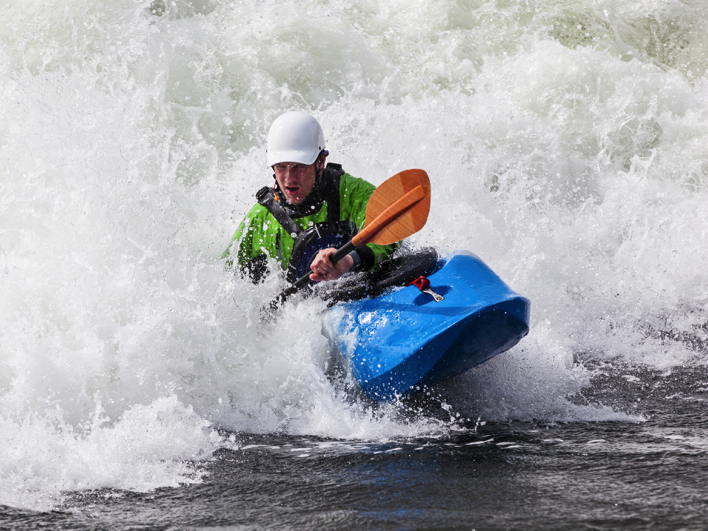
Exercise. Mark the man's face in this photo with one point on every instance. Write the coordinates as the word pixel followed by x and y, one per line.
pixel 295 180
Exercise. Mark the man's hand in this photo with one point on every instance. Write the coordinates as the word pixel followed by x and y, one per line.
pixel 323 268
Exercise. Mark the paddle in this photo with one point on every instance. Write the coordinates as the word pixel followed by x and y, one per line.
pixel 398 208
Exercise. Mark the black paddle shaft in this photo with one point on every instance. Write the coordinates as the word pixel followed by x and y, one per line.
pixel 305 279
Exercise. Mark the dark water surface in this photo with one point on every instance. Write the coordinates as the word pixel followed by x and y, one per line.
pixel 611 475
pixel 566 144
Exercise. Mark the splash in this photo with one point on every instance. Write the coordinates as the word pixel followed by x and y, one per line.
pixel 566 144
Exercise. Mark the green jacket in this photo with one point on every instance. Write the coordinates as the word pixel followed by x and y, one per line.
pixel 259 235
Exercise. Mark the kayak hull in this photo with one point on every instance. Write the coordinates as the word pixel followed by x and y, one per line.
pixel 399 342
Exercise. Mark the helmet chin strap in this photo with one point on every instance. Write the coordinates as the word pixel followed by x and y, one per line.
pixel 276 188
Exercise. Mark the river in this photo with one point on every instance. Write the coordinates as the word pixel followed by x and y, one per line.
pixel 567 146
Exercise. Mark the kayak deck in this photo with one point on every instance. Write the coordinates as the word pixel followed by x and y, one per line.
pixel 401 341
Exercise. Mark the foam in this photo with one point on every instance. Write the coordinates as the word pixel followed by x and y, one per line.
pixel 566 147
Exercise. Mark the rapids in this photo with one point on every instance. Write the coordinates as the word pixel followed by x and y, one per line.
pixel 567 145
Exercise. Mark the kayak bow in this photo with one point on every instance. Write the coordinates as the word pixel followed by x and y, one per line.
pixel 399 342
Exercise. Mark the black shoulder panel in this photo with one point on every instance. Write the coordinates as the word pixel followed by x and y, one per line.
pixel 330 180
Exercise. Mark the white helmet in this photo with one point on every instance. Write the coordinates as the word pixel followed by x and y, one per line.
pixel 295 137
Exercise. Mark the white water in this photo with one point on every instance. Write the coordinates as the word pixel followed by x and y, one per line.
pixel 567 144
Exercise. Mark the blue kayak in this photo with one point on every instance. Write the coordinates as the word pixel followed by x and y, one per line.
pixel 400 341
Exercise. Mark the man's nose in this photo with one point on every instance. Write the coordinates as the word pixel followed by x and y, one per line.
pixel 290 174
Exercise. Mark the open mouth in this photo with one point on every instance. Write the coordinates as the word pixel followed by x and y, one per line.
pixel 292 191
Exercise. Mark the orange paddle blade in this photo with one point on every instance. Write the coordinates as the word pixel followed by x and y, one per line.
pixel 398 208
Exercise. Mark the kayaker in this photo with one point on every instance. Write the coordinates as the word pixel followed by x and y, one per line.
pixel 311 209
